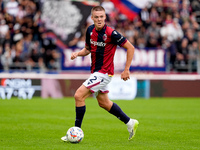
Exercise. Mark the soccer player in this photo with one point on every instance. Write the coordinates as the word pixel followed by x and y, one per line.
pixel 101 42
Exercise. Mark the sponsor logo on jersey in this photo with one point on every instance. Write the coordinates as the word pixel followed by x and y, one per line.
pixel 97 43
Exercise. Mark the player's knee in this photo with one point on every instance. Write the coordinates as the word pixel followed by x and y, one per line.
pixel 101 104
pixel 77 96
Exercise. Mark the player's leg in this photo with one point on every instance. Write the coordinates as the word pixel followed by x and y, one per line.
pixel 81 94
pixel 111 107
pixel 85 90
pixel 114 109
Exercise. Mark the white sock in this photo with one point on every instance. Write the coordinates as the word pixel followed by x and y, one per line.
pixel 130 123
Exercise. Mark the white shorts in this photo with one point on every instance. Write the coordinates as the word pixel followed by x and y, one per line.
pixel 97 82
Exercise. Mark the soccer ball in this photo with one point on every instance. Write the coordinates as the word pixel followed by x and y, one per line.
pixel 75 134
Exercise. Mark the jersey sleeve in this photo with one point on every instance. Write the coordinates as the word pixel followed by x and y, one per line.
pixel 117 38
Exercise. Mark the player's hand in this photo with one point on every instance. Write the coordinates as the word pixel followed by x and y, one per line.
pixel 74 55
pixel 125 75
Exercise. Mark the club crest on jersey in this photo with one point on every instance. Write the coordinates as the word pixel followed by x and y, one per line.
pixel 104 37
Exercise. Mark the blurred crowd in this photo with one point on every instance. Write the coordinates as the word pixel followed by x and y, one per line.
pixel 23 41
pixel 173 25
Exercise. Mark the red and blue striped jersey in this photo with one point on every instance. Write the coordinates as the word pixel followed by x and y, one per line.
pixel 103 45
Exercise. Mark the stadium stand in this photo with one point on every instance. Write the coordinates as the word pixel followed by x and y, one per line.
pixel 173 25
pixel 23 43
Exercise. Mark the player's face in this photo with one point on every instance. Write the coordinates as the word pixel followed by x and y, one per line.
pixel 99 18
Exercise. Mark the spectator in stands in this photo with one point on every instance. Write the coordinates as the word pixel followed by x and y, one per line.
pixel 51 59
pixel 195 5
pixel 27 42
pixel 170 33
pixel 4 31
pixel 50 54
pixel 190 35
pixel 1 6
pixel 153 35
pixel 6 58
pixel 159 6
pixel 182 54
pixel 21 13
pixel 17 34
pixel 35 60
pixel 109 7
pixel 1 52
pixel 10 21
pixel 193 56
pixel 128 29
pixel 198 37
pixel 18 62
pixel 144 15
pixel 153 16
pixel 185 10
pixel 12 7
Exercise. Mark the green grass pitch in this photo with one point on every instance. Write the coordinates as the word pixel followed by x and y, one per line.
pixel 38 124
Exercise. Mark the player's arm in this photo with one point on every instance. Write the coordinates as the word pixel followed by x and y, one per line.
pixel 125 75
pixel 85 51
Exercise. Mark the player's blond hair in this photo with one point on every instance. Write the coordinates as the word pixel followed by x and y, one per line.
pixel 97 8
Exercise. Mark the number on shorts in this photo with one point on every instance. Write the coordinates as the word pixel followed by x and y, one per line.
pixel 91 80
